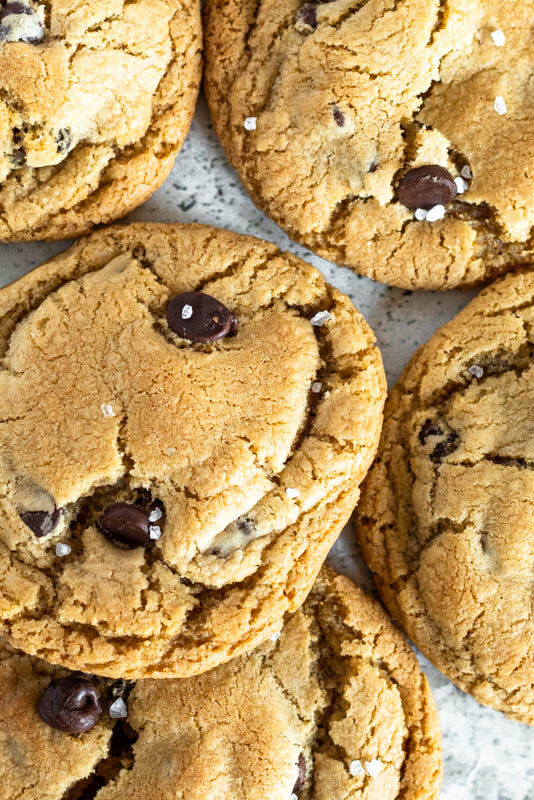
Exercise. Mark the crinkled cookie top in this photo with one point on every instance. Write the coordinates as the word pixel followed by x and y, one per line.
pixel 185 417
pixel 351 716
pixel 95 100
pixel 446 515
pixel 325 108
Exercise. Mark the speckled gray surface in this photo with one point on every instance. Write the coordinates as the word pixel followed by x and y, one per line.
pixel 487 757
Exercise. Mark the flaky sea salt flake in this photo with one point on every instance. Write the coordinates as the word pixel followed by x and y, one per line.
pixel 275 636
pixel 118 709
pixel 476 371
pixel 500 105
pixel 435 214
pixel 250 123
pixel 155 514
pixel 498 37
pixel 320 318
pixel 374 767
pixel 356 768
pixel 420 214
pixel 461 185
pixel 292 493
pixel 467 172
pixel 187 311
pixel 107 410
pixel 316 387
pixel 63 549
pixel 154 532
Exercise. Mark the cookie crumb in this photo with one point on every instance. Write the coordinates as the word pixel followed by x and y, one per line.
pixel 420 214
pixel 498 37
pixel 355 768
pixel 118 710
pixel 467 172
pixel 187 312
pixel 292 493
pixel 461 185
pixel 435 214
pixel 250 123
pixel 316 387
pixel 107 410
pixel 500 105
pixel 374 767
pixel 63 549
pixel 320 318
pixel 154 532
pixel 476 371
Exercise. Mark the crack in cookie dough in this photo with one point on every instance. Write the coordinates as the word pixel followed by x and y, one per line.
pixel 93 116
pixel 254 473
pixel 263 726
pixel 413 83
pixel 445 515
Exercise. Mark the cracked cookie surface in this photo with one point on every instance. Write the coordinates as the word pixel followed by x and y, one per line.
pixel 93 113
pixel 323 108
pixel 352 716
pixel 243 457
pixel 445 520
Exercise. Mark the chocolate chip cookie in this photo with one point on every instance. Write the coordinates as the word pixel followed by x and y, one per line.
pixel 95 101
pixel 185 418
pixel 391 137
pixel 446 515
pixel 351 716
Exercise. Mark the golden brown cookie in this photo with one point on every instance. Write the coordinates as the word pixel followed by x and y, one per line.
pixel 96 98
pixel 351 716
pixel 166 498
pixel 327 108
pixel 446 515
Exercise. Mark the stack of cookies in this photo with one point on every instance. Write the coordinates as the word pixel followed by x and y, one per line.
pixel 187 415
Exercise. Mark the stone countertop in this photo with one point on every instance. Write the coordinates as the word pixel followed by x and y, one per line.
pixel 487 757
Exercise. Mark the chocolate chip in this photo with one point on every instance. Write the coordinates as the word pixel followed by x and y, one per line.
pixel 426 187
pixel 71 705
pixel 41 522
pixel 373 166
pixel 20 23
pixel 301 780
pixel 63 140
pixel 245 525
pixel 18 157
pixel 200 318
pixel 448 445
pixel 339 116
pixel 126 523
pixel 306 19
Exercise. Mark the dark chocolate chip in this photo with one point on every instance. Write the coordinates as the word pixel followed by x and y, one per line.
pixel 126 523
pixel 339 116
pixel 63 140
pixel 306 19
pixel 426 187
pixel 71 705
pixel 17 135
pixel 33 34
pixel 301 780
pixel 448 445
pixel 373 166
pixel 41 522
pixel 199 317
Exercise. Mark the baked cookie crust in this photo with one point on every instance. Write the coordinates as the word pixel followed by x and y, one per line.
pixel 353 713
pixel 324 107
pixel 93 114
pixel 245 454
pixel 445 520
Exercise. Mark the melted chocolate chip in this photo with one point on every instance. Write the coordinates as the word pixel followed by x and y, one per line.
pixel 448 445
pixel 71 705
pixel 301 780
pixel 41 522
pixel 426 187
pixel 63 140
pixel 306 19
pixel 20 23
pixel 199 317
pixel 126 523
pixel 339 116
